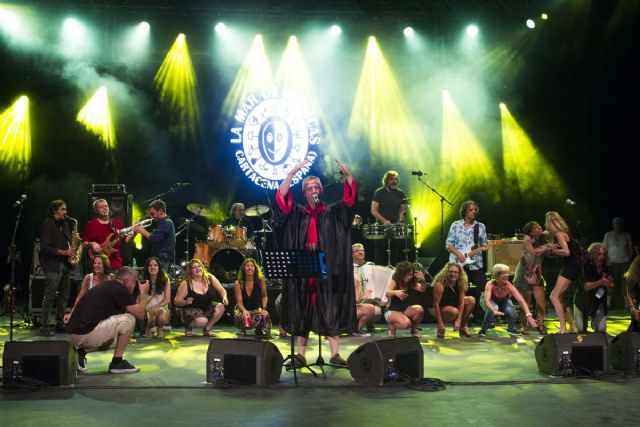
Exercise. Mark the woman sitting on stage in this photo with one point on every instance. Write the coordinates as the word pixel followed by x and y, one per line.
pixel 632 277
pixel 497 301
pixel 449 301
pixel 101 272
pixel 250 292
pixel 195 297
pixel 158 297
pixel 404 283
pixel 528 276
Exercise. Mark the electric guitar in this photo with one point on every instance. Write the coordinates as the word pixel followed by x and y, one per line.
pixel 109 245
pixel 469 252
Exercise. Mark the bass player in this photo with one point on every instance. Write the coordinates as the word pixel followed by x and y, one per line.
pixel 101 234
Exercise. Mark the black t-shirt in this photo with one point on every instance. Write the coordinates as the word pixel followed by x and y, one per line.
pixel 389 202
pixel 99 303
pixel 588 300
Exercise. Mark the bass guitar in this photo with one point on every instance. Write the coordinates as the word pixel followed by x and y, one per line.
pixel 109 245
pixel 471 251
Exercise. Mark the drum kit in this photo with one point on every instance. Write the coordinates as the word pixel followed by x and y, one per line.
pixel 389 232
pixel 226 246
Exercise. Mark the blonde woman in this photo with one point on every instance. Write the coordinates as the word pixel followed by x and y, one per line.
pixel 450 304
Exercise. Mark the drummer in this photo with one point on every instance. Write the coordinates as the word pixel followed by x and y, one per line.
pixel 388 206
pixel 237 218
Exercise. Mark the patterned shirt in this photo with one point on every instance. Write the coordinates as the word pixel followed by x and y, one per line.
pixel 461 238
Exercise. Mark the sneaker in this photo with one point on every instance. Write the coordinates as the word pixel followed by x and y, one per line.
pixel 337 360
pixel 82 360
pixel 514 332
pixel 123 367
pixel 482 333
pixel 360 333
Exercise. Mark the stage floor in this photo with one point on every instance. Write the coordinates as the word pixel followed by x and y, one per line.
pixel 488 380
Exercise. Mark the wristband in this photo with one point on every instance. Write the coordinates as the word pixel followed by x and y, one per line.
pixel 529 315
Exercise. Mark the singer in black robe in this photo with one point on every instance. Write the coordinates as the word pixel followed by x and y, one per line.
pixel 325 306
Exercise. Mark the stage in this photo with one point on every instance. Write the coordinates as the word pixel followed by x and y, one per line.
pixel 487 380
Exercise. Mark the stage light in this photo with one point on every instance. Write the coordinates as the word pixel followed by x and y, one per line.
pixel 544 16
pixel 220 27
pixel 96 118
pixel 135 44
pixel 473 30
pixel 531 23
pixel 137 214
pixel 381 118
pixel 335 30
pixel 144 27
pixel 177 85
pixel 526 170
pixel 75 39
pixel 253 76
pixel 15 138
pixel 409 32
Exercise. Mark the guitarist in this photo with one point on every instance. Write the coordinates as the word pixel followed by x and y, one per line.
pixel 100 233
pixel 465 235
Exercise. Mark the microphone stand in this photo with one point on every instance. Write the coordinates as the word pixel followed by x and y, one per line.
pixel 186 225
pixel 581 237
pixel 171 189
pixel 10 290
pixel 442 202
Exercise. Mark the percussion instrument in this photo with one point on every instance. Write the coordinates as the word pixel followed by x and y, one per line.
pixel 200 209
pixel 374 231
pixel 376 278
pixel 216 237
pixel 236 236
pixel 257 210
pixel 401 231
pixel 203 252
pixel 225 264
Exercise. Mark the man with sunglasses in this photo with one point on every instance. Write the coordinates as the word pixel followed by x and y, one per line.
pixel 105 318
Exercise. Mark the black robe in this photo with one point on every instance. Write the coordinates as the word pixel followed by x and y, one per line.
pixel 335 309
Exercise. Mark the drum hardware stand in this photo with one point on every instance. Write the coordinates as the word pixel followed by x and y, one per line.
pixel 186 225
pixel 388 249
pixel 442 201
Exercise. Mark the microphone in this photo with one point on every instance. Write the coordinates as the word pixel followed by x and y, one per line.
pixel 418 173
pixel 20 201
pixel 570 203
pixel 316 199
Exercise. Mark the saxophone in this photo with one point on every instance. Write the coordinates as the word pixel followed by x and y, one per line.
pixel 75 247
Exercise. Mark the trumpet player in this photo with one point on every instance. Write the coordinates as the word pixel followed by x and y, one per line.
pixel 58 247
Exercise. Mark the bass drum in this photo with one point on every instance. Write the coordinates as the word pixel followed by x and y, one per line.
pixel 225 264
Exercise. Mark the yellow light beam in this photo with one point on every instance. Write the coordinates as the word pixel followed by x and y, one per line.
pixel 177 84
pixel 95 116
pixel 15 137
pixel 526 170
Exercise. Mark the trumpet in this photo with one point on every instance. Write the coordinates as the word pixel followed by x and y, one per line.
pixel 129 230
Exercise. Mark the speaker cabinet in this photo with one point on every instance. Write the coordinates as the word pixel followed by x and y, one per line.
pixel 378 362
pixel 625 352
pixel 53 362
pixel 572 354
pixel 507 253
pixel 36 293
pixel 244 361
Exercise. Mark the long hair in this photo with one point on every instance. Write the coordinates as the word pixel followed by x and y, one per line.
pixel 161 280
pixel 463 280
pixel 528 230
pixel 188 275
pixel 106 264
pixel 465 206
pixel 257 276
pixel 633 274
pixel 593 250
pixel 556 221
pixel 403 268
pixel 53 206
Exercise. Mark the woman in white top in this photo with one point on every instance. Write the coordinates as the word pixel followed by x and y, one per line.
pixel 158 297
pixel 101 272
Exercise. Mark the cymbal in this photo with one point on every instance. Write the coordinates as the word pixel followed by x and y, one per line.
pixel 263 231
pixel 200 209
pixel 256 210
pixel 194 226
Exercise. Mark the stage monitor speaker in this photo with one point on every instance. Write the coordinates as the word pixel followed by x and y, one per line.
pixel 572 354
pixel 245 361
pixel 506 253
pixel 52 362
pixel 625 352
pixel 381 361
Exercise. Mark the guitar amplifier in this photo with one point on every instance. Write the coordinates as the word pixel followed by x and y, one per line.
pixel 36 293
pixel 508 253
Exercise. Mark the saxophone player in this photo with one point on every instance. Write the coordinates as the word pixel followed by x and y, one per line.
pixel 56 235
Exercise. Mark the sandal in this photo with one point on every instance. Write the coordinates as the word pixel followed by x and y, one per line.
pixel 207 333
pixel 465 333
pixel 188 333
pixel 440 333
pixel 542 330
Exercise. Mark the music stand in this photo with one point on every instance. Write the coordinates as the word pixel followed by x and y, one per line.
pixel 296 264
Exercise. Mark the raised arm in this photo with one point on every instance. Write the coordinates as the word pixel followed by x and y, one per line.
pixel 286 182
